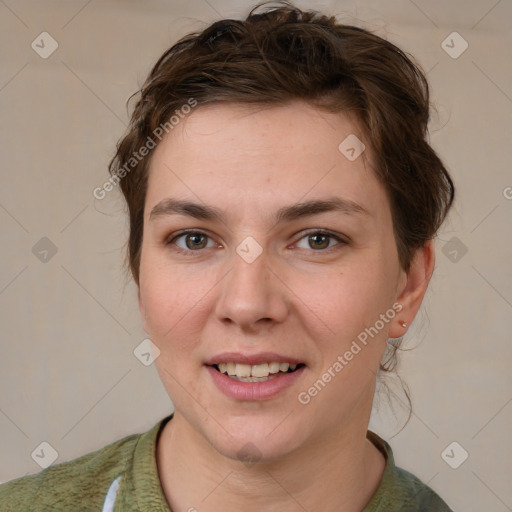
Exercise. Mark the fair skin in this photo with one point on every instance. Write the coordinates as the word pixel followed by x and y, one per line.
pixel 305 297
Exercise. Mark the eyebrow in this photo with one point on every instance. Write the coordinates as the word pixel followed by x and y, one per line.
pixel 170 206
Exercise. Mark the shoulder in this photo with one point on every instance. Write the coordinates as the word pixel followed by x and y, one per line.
pixel 78 484
pixel 400 490
pixel 416 495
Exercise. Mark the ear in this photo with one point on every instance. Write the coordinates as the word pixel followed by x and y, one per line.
pixel 142 309
pixel 412 289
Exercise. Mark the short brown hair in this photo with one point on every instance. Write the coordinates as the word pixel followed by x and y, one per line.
pixel 284 54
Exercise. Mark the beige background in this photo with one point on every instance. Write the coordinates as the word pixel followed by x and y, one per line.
pixel 69 325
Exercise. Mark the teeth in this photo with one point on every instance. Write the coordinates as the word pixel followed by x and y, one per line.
pixel 243 370
pixel 260 370
pixel 273 367
pixel 247 371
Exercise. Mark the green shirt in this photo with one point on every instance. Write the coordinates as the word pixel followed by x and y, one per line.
pixel 123 477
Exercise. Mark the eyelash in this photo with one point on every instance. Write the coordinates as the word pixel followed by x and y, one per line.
pixel 189 252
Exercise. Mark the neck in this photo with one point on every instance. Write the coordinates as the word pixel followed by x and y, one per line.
pixel 339 472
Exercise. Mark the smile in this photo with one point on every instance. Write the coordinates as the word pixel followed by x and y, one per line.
pixel 255 373
pixel 254 382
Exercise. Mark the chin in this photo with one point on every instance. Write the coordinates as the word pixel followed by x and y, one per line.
pixel 258 438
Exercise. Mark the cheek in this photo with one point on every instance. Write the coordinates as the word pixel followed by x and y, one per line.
pixel 350 299
pixel 173 303
pixel 347 322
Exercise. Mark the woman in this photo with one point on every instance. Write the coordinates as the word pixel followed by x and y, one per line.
pixel 283 200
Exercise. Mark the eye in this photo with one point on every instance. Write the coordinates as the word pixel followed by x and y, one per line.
pixel 321 240
pixel 195 241
pixel 191 241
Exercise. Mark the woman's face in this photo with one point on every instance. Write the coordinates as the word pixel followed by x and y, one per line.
pixel 273 270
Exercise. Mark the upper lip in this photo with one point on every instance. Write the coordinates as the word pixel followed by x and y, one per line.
pixel 252 359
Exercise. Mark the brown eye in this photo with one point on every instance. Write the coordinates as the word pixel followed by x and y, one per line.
pixel 190 241
pixel 196 240
pixel 320 241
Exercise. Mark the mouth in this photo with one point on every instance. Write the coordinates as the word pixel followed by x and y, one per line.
pixel 263 372
pixel 254 377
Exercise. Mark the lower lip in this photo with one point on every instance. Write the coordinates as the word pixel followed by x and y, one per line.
pixel 254 391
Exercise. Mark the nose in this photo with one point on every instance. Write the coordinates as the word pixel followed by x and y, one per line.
pixel 252 295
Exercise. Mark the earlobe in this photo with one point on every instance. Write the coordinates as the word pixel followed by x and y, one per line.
pixel 142 309
pixel 413 289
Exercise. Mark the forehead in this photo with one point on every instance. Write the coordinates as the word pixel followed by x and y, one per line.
pixel 229 153
pixel 273 129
